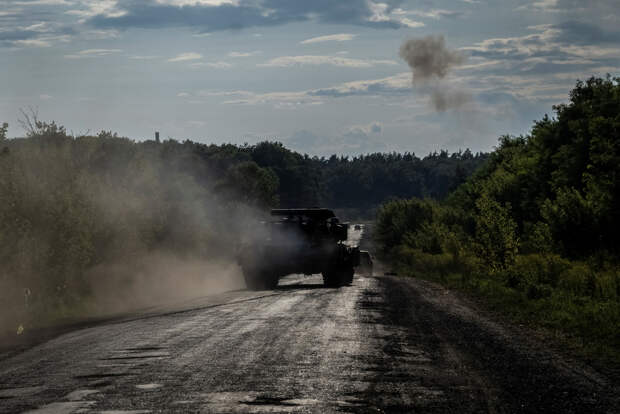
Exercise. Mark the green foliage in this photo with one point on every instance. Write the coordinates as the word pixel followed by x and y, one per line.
pixel 368 180
pixel 536 230
pixel 496 239
pixel 401 219
pixel 3 130
pixel 251 184
pixel 362 182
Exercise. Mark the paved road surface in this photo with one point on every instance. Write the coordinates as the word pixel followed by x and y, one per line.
pixel 382 345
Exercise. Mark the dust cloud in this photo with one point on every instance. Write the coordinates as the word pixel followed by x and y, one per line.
pixel 444 99
pixel 430 61
pixel 159 278
pixel 92 226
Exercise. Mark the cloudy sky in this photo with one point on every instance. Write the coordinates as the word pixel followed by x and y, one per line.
pixel 322 76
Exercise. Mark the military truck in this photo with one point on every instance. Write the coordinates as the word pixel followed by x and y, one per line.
pixel 302 240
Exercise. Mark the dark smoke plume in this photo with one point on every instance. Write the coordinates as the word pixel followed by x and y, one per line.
pixel 430 61
pixel 444 99
pixel 428 57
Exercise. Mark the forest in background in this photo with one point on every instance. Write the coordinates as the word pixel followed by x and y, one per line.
pixel 86 216
pixel 536 230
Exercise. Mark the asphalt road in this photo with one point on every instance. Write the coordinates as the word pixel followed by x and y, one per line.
pixel 384 344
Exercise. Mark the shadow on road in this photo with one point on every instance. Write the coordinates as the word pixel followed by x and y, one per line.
pixel 300 286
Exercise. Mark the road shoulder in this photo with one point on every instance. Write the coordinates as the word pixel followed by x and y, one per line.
pixel 525 371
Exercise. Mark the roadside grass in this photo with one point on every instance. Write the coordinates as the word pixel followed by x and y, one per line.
pixel 577 306
pixel 19 319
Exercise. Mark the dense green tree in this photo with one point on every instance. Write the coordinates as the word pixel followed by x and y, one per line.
pixel 537 227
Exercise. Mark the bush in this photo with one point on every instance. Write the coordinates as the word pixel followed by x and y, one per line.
pixel 536 230
pixel 400 219
pixel 496 238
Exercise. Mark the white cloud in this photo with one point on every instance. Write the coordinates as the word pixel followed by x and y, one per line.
pixel 366 129
pixel 411 23
pixel 10 13
pixel 357 139
pixel 392 85
pixel 341 37
pixel 41 27
pixel 596 10
pixel 183 95
pixel 277 98
pixel 548 42
pixel 244 54
pixel 45 97
pixel 431 14
pixel 216 65
pixel 380 15
pixel 593 52
pixel 100 34
pixel 528 45
pixel 479 63
pixel 183 57
pixel 181 3
pixel 42 41
pixel 89 8
pixel 378 12
pixel 44 3
pixel 544 5
pixel 144 57
pixel 574 61
pixel 90 53
pixel 399 84
pixel 224 93
pixel 285 61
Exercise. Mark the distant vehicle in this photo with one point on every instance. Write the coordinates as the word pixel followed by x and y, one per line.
pixel 305 240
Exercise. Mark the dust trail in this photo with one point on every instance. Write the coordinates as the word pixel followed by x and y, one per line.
pixel 158 278
pixel 96 225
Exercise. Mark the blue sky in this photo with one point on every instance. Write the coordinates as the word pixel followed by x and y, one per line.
pixel 321 76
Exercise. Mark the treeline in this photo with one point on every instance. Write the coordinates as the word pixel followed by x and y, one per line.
pixel 536 229
pixel 366 181
pixel 362 182
pixel 72 206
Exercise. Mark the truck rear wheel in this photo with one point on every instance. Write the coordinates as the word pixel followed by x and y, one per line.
pixel 270 281
pixel 330 279
pixel 348 276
